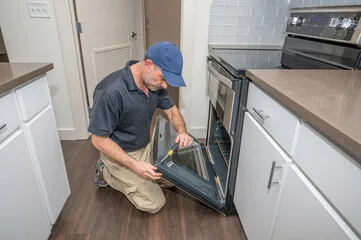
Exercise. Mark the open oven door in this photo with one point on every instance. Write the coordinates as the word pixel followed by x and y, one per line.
pixel 189 168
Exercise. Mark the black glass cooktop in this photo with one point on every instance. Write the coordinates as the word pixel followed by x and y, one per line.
pixel 237 61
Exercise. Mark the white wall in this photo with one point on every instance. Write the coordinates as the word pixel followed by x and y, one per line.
pixel 249 22
pixel 37 40
pixel 194 47
pixel 309 3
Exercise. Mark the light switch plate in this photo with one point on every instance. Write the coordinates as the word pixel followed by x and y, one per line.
pixel 39 9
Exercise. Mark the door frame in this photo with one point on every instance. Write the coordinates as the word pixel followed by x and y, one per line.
pixel 191 35
pixel 71 50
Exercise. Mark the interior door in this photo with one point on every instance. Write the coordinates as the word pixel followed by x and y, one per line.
pixel 188 168
pixel 163 27
pixel 106 38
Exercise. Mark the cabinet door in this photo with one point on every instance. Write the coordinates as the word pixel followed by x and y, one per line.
pixel 22 209
pixel 49 157
pixel 259 176
pixel 304 214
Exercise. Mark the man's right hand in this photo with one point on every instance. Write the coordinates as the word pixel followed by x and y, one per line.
pixel 146 170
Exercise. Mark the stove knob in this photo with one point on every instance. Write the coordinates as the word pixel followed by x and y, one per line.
pixel 335 22
pixel 299 21
pixel 348 23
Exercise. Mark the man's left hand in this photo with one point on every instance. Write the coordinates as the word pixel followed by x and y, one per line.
pixel 183 139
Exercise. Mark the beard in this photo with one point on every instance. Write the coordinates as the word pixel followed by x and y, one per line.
pixel 148 83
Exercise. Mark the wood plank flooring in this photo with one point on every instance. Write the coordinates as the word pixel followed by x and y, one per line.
pixel 92 213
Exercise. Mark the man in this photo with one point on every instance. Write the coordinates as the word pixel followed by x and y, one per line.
pixel 124 104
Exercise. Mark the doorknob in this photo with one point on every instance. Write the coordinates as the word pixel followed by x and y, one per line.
pixel 134 34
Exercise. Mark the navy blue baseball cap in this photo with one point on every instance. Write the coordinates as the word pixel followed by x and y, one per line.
pixel 167 56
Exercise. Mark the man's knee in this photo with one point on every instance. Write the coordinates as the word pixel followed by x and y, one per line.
pixel 153 206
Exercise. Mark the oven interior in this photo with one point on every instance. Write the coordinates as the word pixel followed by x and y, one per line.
pixel 219 147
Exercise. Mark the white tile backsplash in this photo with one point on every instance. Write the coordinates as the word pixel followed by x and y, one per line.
pixel 223 20
pixel 217 10
pixel 247 21
pixel 225 2
pixel 237 11
pixel 216 30
pixel 267 31
pixel 264 11
pixel 235 30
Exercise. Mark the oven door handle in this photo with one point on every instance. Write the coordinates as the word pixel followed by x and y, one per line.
pixel 219 76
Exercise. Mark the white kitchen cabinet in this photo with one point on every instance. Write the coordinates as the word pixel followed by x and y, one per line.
pixel 23 213
pixel 334 173
pixel 46 148
pixel 304 214
pixel 257 190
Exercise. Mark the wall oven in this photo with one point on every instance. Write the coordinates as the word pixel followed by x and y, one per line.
pixel 206 170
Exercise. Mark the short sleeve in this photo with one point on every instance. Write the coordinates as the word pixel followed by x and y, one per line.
pixel 165 102
pixel 105 114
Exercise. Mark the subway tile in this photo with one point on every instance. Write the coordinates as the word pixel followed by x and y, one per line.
pixel 271 21
pixel 215 30
pixel 267 31
pixel 221 39
pixel 283 3
pixel 237 11
pixel 271 2
pixel 223 20
pixel 282 12
pixel 271 40
pixel 250 40
pixel 316 2
pixel 279 30
pixel 331 2
pixel 225 2
pixel 265 11
pixel 249 21
pixel 217 10
pixel 251 2
pixel 235 30
pixel 296 3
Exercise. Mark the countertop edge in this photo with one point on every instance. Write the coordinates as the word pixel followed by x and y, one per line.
pixel 340 139
pixel 25 78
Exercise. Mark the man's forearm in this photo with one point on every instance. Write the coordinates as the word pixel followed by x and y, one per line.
pixel 113 150
pixel 177 120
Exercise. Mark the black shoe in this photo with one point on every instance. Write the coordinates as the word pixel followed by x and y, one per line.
pixel 98 176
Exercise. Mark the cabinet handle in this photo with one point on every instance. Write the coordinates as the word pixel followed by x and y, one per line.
pixel 273 167
pixel 260 113
pixel 2 126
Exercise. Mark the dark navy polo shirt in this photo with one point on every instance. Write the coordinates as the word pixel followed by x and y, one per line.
pixel 123 112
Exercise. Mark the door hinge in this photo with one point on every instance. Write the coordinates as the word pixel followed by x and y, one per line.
pixel 79 28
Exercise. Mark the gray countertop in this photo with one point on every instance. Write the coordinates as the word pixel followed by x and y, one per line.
pixel 329 100
pixel 15 74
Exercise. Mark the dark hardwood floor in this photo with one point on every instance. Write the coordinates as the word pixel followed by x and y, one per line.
pixel 92 213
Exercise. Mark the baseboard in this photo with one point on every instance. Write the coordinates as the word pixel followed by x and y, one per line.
pixel 198 132
pixel 67 134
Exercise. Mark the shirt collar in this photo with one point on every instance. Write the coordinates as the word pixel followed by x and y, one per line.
pixel 128 76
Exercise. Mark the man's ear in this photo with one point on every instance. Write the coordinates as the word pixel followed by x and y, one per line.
pixel 148 65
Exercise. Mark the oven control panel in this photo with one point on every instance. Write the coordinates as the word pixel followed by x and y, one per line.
pixel 333 23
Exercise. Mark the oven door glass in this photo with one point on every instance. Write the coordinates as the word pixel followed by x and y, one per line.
pixel 188 168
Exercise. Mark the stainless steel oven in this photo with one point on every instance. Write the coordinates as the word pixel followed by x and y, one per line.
pixel 205 170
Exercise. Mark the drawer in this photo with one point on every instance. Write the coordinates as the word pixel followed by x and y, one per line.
pixel 335 174
pixel 33 98
pixel 280 123
pixel 9 117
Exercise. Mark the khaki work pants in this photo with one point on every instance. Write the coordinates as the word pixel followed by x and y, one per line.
pixel 146 195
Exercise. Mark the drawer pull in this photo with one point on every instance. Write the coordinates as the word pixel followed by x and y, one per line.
pixel 270 182
pixel 2 126
pixel 260 113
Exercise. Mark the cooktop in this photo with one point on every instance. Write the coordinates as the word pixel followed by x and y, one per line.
pixel 236 61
